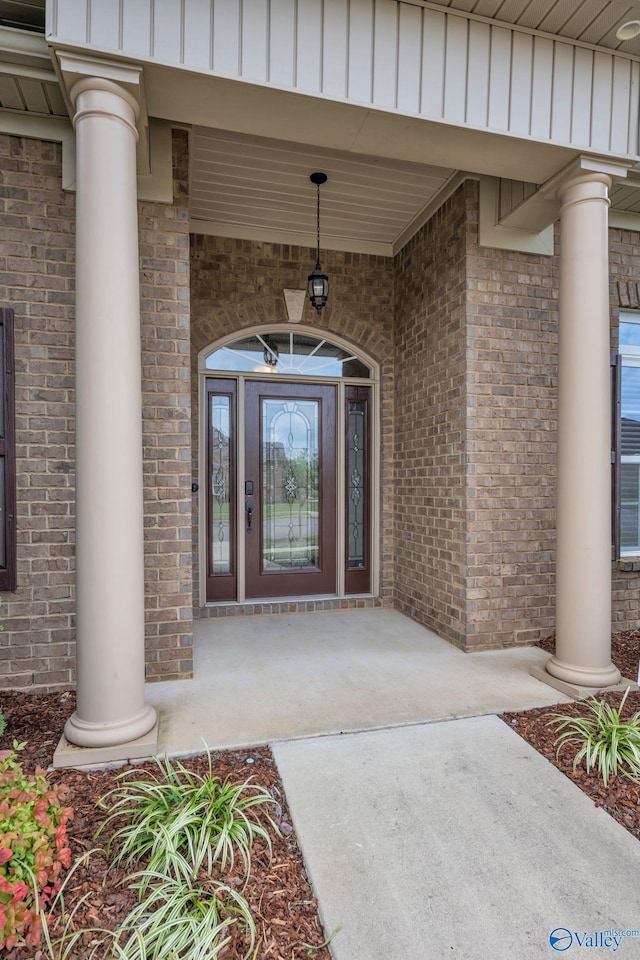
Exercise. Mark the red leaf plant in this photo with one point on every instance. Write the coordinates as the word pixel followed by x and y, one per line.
pixel 33 848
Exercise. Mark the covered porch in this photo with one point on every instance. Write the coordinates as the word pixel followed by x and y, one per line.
pixel 265 679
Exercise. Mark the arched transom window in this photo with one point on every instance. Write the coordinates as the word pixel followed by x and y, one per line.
pixel 287 352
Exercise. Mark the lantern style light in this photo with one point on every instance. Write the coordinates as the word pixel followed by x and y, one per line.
pixel 318 282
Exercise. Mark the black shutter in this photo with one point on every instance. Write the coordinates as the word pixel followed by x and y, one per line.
pixel 616 421
pixel 7 455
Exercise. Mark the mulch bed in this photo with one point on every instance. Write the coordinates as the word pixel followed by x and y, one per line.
pixel 621 798
pixel 278 893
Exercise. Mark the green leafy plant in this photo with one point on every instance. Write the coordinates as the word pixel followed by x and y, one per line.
pixel 604 740
pixel 177 918
pixel 33 848
pixel 3 723
pixel 178 822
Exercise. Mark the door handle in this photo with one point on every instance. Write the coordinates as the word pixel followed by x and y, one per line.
pixel 249 506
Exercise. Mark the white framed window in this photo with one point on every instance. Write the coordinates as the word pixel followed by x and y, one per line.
pixel 629 349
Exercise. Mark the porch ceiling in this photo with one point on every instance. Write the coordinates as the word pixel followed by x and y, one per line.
pixel 243 186
pixel 23 14
pixel 590 21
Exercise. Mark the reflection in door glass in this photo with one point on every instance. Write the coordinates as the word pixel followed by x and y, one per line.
pixel 220 443
pixel 290 485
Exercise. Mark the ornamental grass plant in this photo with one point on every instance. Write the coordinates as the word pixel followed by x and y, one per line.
pixel 181 919
pixel 603 740
pixel 177 822
pixel 184 832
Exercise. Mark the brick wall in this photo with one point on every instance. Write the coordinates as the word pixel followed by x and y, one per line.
pixel 236 284
pixel 166 410
pixel 476 329
pixel 512 347
pixel 37 253
pixel 37 647
pixel 430 440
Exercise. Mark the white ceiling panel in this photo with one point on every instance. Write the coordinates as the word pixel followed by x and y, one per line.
pixel 32 96
pixel 590 21
pixel 243 183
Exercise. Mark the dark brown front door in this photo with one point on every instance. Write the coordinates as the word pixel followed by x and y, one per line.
pixel 290 489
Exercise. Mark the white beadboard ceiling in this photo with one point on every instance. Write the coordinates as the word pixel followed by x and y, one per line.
pixel 31 95
pixel 249 187
pixel 626 198
pixel 590 21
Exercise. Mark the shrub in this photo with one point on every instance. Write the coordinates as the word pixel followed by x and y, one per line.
pixel 605 741
pixel 33 848
pixel 179 822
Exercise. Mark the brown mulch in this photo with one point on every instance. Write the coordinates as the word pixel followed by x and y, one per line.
pixel 621 798
pixel 278 893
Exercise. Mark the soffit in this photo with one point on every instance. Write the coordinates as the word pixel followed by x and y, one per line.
pixel 250 186
pixel 28 83
pixel 589 21
pixel 23 14
pixel 625 197
pixel 32 96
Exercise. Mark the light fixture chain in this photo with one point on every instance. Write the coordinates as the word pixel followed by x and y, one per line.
pixel 318 223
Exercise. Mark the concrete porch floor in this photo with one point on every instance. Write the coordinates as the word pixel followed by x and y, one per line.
pixel 263 679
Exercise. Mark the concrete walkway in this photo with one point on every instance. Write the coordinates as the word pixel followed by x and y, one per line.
pixel 426 836
pixel 456 840
pixel 280 677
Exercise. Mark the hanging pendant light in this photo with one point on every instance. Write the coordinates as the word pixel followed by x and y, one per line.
pixel 318 282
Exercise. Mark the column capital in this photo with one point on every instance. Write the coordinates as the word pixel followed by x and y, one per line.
pixel 585 169
pixel 95 97
pixel 80 73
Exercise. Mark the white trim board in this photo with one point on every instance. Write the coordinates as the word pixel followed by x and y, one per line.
pixel 156 187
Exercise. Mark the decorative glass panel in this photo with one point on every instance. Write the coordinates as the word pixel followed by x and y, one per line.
pixel 287 352
pixel 290 485
pixel 356 467
pixel 220 484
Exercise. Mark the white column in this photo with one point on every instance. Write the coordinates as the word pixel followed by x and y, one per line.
pixel 109 508
pixel 583 571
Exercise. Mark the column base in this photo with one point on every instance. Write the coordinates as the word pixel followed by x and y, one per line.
pixel 575 690
pixel 597 677
pixel 84 733
pixel 69 755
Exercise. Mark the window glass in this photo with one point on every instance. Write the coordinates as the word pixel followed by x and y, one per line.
pixel 630 437
pixel 629 334
pixel 287 352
